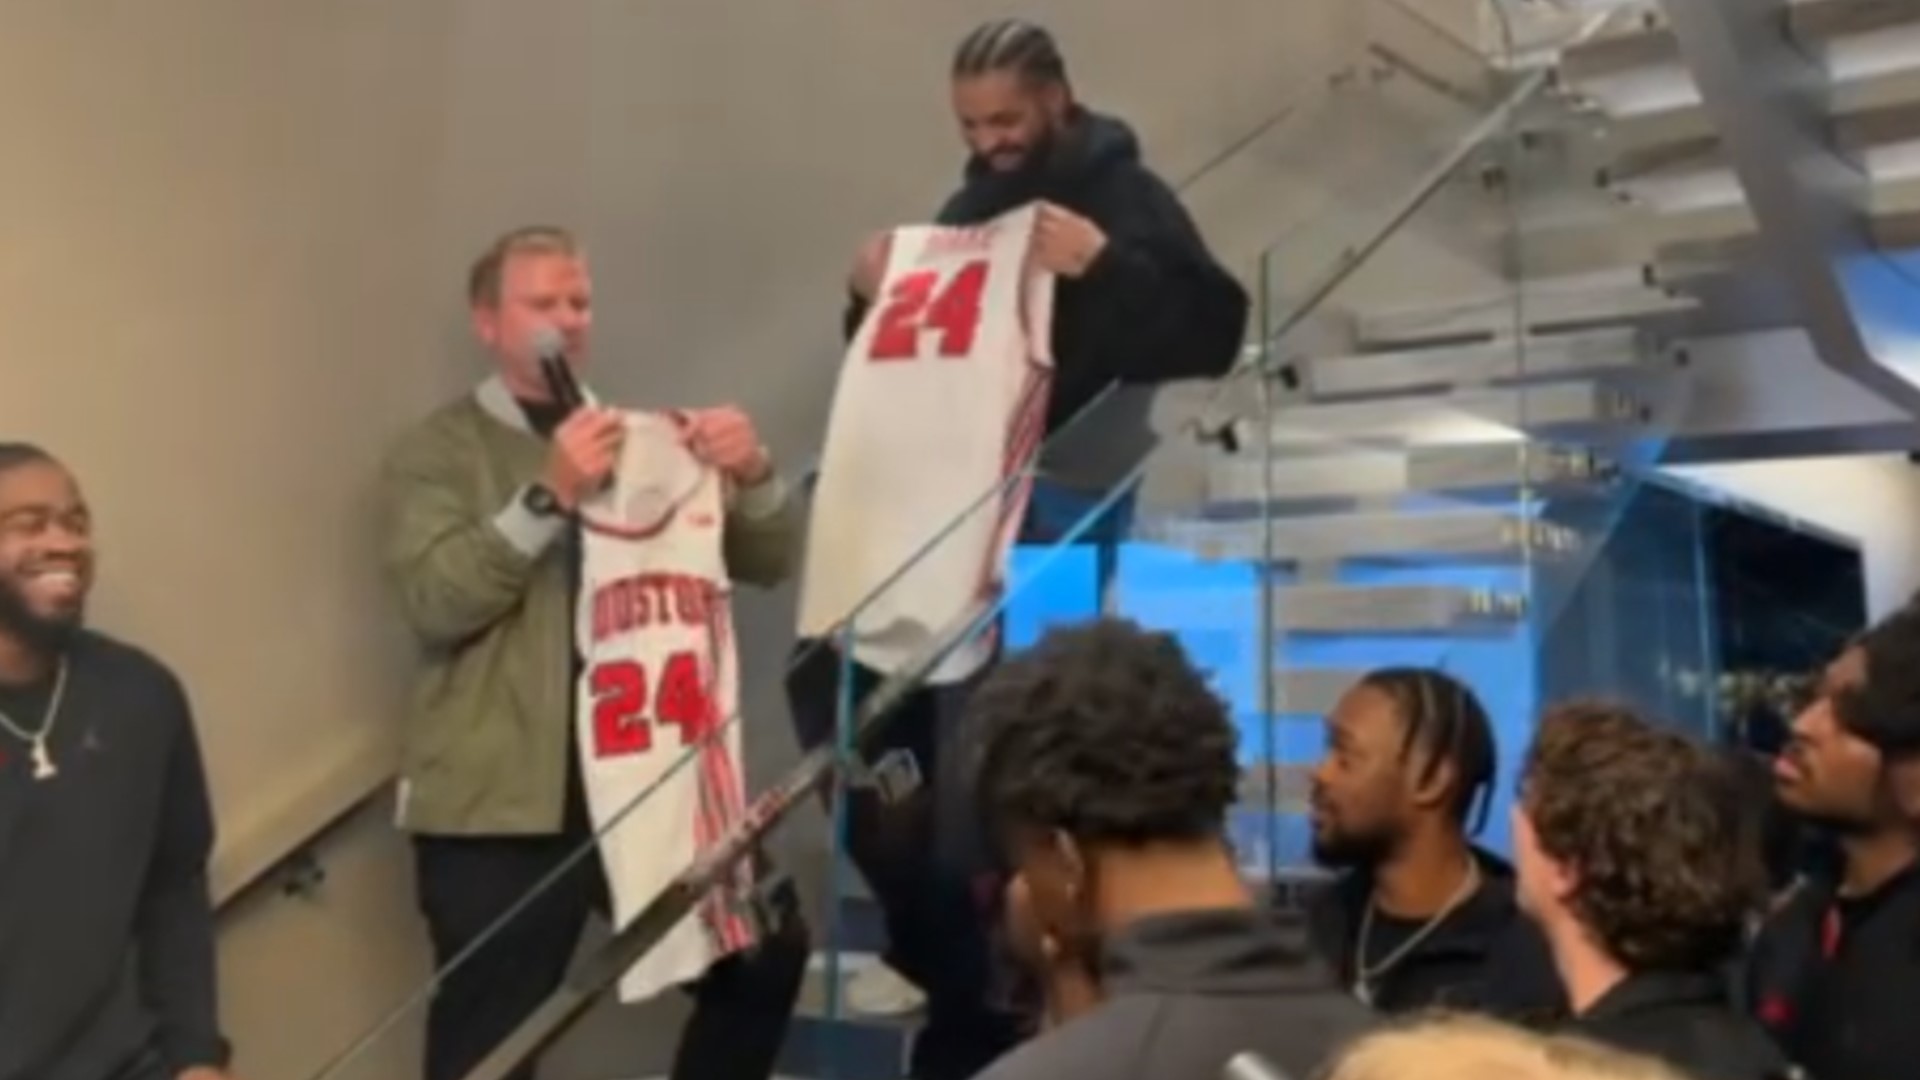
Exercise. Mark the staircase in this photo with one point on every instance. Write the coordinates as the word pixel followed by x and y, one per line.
pixel 1420 488
pixel 1425 483
pixel 1425 498
pixel 1415 487
pixel 1431 482
pixel 1669 159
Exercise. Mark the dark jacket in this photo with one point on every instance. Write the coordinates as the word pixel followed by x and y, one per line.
pixel 1484 957
pixel 1687 1021
pixel 1153 308
pixel 1187 993
pixel 1835 980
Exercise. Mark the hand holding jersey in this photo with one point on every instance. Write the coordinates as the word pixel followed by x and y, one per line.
pixel 724 438
pixel 1066 243
pixel 587 444
pixel 941 403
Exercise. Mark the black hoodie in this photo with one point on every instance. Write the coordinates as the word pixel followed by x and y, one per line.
pixel 1184 994
pixel 1484 957
pixel 1153 308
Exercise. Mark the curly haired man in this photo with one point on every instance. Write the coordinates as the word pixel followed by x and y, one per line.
pixel 1636 859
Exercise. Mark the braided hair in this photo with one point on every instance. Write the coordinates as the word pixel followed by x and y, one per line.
pixel 1446 722
pixel 1025 48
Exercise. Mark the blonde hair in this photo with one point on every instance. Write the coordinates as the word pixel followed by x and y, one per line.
pixel 483 277
pixel 1447 1047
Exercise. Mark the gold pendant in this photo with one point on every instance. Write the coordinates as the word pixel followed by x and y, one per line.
pixel 43 766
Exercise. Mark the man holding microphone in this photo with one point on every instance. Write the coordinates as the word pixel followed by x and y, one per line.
pixel 482 551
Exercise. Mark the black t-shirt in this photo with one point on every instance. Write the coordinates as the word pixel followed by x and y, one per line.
pixel 1836 980
pixel 544 417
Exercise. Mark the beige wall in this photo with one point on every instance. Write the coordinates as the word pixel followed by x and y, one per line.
pixel 304 974
pixel 230 234
pixel 219 290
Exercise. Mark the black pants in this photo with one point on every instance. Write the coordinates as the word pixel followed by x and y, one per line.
pixel 741 1006
pixel 927 864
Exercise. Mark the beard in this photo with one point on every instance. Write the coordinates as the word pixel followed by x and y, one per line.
pixel 50 634
pixel 1036 159
pixel 1838 822
pixel 1033 176
pixel 1350 851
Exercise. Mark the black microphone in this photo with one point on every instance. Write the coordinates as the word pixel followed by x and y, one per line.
pixel 1251 1066
pixel 565 389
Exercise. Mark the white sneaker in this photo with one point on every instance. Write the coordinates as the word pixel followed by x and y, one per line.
pixel 879 990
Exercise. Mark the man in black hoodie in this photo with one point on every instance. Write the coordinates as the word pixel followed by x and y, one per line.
pixel 1107 767
pixel 1420 916
pixel 1138 301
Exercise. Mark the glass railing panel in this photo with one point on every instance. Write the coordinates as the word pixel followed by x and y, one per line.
pixel 1414 92
pixel 1427 414
pixel 1707 612
pixel 1783 597
pixel 1376 491
pixel 1634 625
pixel 1589 306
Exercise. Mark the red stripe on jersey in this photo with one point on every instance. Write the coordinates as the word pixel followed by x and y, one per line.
pixel 1026 430
pixel 720 797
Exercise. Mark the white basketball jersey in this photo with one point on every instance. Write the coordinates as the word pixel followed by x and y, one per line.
pixel 660 753
pixel 942 399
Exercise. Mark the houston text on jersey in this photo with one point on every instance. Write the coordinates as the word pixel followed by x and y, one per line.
pixel 644 600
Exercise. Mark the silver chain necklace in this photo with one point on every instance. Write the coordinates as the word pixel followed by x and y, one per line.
pixel 1365 974
pixel 43 766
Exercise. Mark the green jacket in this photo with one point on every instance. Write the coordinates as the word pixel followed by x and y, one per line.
pixel 482 582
